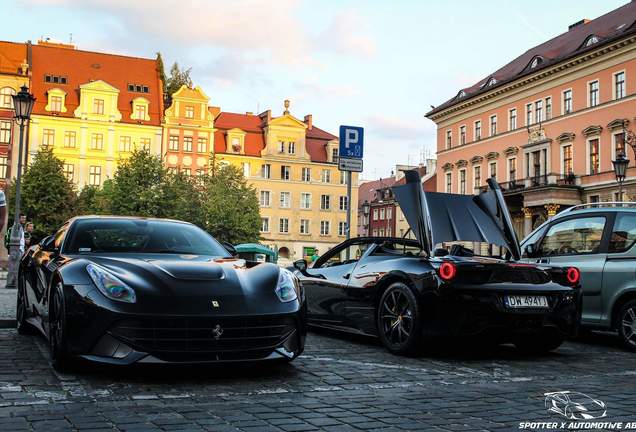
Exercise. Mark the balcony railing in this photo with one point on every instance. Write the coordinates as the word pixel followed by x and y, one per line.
pixel 535 182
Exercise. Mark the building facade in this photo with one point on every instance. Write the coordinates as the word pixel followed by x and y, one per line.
pixel 548 124
pixel 293 166
pixel 93 108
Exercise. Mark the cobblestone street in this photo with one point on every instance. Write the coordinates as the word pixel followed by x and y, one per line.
pixel 338 384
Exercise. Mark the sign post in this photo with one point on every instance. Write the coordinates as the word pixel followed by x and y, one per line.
pixel 350 160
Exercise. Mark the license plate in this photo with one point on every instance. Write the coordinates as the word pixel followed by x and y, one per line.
pixel 526 301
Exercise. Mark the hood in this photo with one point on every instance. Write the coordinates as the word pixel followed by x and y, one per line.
pixel 440 217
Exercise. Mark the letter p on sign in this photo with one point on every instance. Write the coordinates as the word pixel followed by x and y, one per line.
pixel 351 142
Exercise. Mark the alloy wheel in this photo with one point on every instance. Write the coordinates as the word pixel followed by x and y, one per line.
pixel 628 325
pixel 56 323
pixel 397 317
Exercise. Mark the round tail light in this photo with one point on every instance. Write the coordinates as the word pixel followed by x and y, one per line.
pixel 573 275
pixel 447 271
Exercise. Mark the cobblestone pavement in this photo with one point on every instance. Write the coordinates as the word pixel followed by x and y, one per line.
pixel 339 384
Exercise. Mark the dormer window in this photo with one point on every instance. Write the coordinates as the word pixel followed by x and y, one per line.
pixel 98 106
pixel 189 112
pixel 536 62
pixel 140 111
pixel 138 88
pixel 461 94
pixel 140 108
pixel 55 79
pixel 56 99
pixel 235 140
pixel 591 40
pixel 491 81
pixel 236 145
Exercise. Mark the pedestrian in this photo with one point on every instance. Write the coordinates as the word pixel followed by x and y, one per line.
pixel 7 235
pixel 28 234
pixel 3 208
pixel 315 256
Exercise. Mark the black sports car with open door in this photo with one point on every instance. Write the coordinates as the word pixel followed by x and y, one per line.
pixel 124 290
pixel 407 293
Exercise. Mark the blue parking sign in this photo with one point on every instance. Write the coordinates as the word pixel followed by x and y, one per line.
pixel 351 142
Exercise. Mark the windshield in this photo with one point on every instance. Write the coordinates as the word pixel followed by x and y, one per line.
pixel 140 236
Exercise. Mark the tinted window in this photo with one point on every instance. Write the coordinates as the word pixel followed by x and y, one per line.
pixel 534 238
pixel 335 258
pixel 141 236
pixel 59 237
pixel 573 237
pixel 391 248
pixel 624 233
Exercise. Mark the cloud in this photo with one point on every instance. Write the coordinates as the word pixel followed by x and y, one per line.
pixel 347 34
pixel 401 128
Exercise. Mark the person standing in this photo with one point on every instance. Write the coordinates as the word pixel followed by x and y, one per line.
pixel 315 256
pixel 28 234
pixel 7 235
pixel 3 208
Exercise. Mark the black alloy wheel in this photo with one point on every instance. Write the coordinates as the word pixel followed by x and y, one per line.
pixel 57 329
pixel 398 320
pixel 627 325
pixel 21 310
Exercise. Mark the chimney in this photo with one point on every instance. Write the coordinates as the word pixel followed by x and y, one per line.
pixel 214 110
pixel 579 23
pixel 309 121
pixel 249 113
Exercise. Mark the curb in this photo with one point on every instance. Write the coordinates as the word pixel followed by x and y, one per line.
pixel 7 323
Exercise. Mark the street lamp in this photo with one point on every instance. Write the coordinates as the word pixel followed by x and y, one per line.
pixel 620 168
pixel 23 105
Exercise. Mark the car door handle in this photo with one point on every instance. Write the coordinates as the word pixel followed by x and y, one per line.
pixel 347 276
pixel 543 261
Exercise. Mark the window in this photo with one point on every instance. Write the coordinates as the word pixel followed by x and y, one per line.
pixel 325 202
pixel 512 169
pixel 144 143
pixel 342 228
pixel 567 159
pixel 624 233
pixel 285 172
pixel 619 85
pixel 98 106
pixel 593 93
pixel 462 135
pixel 594 156
pixel 187 143
pixel 285 199
pixel 324 227
pixel 538 111
pixel 265 198
pixel 594 198
pixel 283 225
pixel 5 132
pixel 449 139
pixel 477 130
pixel 6 99
pixel 462 181
pixel 202 145
pixel 389 213
pixel 97 141
pixel 306 174
pixel 246 169
pixel 567 101
pixel 591 40
pixel 172 170
pixel 173 143
pixel 55 103
pixel 493 125
pixel 264 224
pixel 512 121
pixel 55 79
pixel 325 176
pixel 4 167
pixel 476 177
pixel 281 146
pixel 343 203
pixel 125 144
pixel 375 214
pixel 334 155
pixel 236 144
pixel 528 114
pixel 304 226
pixel 573 237
pixel 186 171
pixel 493 170
pixel 619 145
pixel 48 137
pixel 291 147
pixel 382 213
pixel 140 112
pixel 548 108
pixel 70 139
pixel 305 200
pixel 449 182
pixel 266 171
pixel 138 88
pixel 343 177
pixel 189 111
pixel 95 175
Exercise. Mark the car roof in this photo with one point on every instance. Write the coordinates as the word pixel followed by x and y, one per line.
pixel 140 218
pixel 600 208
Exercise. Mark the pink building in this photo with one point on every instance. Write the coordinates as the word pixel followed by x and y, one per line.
pixel 548 124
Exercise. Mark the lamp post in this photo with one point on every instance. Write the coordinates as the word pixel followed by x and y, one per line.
pixel 23 105
pixel 620 168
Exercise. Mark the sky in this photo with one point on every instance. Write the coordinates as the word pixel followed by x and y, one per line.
pixel 370 63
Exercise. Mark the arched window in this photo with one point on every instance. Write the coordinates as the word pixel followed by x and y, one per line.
pixel 461 94
pixel 6 101
pixel 536 62
pixel 591 40
pixel 283 252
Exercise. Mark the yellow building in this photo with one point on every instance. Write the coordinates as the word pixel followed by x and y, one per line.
pixel 188 134
pixel 293 166
pixel 93 108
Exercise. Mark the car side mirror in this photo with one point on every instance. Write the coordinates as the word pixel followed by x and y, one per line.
pixel 230 248
pixel 47 244
pixel 301 266
pixel 531 250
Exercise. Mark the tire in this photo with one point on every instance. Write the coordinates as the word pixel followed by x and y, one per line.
pixel 22 312
pixel 540 344
pixel 627 325
pixel 399 320
pixel 58 344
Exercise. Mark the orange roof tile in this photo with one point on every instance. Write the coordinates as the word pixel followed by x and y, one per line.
pixel 12 55
pixel 81 67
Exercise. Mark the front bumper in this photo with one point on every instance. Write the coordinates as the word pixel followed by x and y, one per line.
pixel 482 312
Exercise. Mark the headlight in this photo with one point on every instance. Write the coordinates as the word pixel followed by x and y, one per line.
pixel 110 285
pixel 286 286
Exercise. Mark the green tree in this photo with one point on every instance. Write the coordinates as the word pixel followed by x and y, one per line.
pixel 231 206
pixel 185 196
pixel 137 187
pixel 178 77
pixel 48 198
pixel 162 73
pixel 95 200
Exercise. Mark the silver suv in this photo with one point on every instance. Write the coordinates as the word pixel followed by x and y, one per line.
pixel 599 239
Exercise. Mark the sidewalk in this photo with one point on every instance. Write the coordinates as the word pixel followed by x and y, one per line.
pixel 7 303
